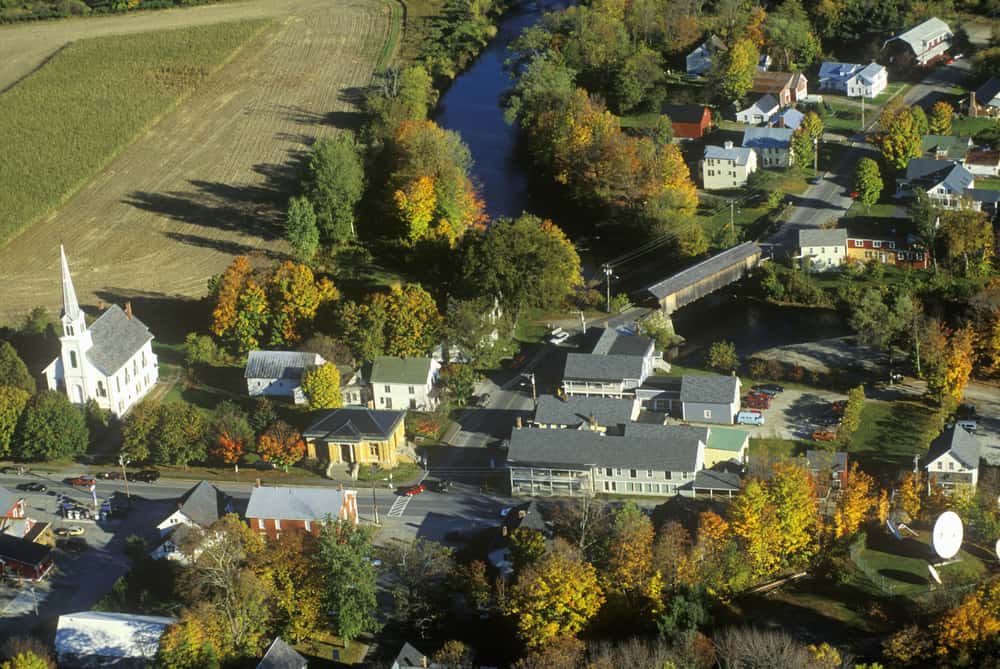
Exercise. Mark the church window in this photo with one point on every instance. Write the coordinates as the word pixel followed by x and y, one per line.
pixel 127 377
pixel 72 359
pixel 101 392
pixel 118 383
pixel 69 330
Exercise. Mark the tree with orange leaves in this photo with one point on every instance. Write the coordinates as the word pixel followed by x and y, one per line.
pixel 958 363
pixel 969 629
pixel 229 432
pixel 281 444
pixel 227 293
pixel 856 501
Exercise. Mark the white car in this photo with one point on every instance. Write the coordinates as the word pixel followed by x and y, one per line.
pixel 559 338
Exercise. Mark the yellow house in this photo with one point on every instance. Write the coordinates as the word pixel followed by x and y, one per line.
pixel 356 434
pixel 726 444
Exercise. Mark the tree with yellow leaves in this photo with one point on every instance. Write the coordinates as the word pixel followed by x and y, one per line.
pixel 558 595
pixel 630 569
pixel 295 296
pixel 958 363
pixel 909 496
pixel 321 385
pixel 793 494
pixel 966 629
pixel 854 504
pixel 416 204
pixel 672 554
pixel 753 520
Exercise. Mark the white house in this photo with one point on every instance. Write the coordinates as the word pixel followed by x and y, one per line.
pixel 834 76
pixel 614 365
pixel 699 61
pixel 773 145
pixel 110 362
pixel 354 390
pixel 868 82
pixel 827 249
pixel 920 44
pixel 983 163
pixel 404 383
pixel 98 639
pixel 201 506
pixel 279 373
pixel 953 460
pixel 946 182
pixel 760 111
pixel 727 166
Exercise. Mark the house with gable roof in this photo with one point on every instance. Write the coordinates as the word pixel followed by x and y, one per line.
pixel 945 147
pixel 947 183
pixel 585 412
pixel 765 107
pixel 853 79
pixel 699 61
pixel 688 121
pixel 790 118
pixel 834 76
pixel 825 249
pixel 773 146
pixel 727 166
pixel 920 45
pixel 787 87
pixel 952 461
pixel 12 510
pixel 404 383
pixel 985 101
pixel 279 373
pixel 614 366
pixel 710 398
pixel 277 509
pixel 111 361
pixel 201 506
pixel 101 639
pixel 355 435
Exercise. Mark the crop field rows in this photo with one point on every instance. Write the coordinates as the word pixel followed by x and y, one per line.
pixel 210 180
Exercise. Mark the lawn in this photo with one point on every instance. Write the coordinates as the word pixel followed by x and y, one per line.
pixel 878 210
pixel 988 183
pixel 773 448
pixel 891 90
pixel 893 431
pixel 966 126
pixel 69 119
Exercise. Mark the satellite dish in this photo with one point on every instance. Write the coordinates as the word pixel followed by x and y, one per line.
pixel 934 574
pixel 996 549
pixel 947 535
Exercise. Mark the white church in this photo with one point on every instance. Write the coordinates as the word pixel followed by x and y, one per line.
pixel 111 362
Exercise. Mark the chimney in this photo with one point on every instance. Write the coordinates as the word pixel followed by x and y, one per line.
pixel 256 483
pixel 128 309
pixel 781 121
pixel 101 306
pixel 727 145
pixel 517 422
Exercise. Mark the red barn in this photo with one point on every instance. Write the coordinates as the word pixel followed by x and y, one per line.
pixel 273 510
pixel 688 121
pixel 21 558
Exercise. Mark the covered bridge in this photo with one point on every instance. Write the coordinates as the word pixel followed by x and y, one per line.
pixel 706 277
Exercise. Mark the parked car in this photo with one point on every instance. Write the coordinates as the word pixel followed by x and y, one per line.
pixel 32 487
pixel 414 490
pixel 757 401
pixel 71 531
pixel 73 544
pixel 554 332
pixel 263 465
pixel 441 486
pixel 110 475
pixel 968 425
pixel 10 470
pixel 81 481
pixel 483 399
pixel 838 407
pixel 771 389
pixel 750 418
pixel 146 476
pixel 966 410
pixel 824 435
pixel 559 338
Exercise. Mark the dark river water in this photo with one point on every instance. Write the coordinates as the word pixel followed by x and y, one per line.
pixel 472 106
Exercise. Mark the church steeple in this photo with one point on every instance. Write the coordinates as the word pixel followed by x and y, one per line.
pixel 73 321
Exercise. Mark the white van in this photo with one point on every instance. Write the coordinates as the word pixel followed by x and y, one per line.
pixel 969 425
pixel 750 418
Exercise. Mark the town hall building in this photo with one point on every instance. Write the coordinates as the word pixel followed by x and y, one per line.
pixel 110 362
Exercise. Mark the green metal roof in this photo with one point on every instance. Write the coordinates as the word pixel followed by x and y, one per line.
pixel 726 439
pixel 412 371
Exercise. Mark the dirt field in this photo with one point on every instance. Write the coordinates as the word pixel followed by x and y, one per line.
pixel 209 181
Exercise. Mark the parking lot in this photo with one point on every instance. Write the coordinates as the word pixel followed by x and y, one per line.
pixel 795 413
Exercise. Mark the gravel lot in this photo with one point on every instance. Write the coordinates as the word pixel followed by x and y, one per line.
pixel 794 413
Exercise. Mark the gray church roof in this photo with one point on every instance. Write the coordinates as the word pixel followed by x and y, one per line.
pixel 551 410
pixel 117 338
pixel 675 448
pixel 708 388
pixel 280 655
pixel 963 446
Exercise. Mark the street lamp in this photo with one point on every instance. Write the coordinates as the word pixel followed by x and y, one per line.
pixel 816 156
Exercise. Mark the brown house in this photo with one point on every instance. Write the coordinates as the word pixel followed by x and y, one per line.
pixel 273 510
pixel 22 558
pixel 787 87
pixel 356 434
pixel 688 121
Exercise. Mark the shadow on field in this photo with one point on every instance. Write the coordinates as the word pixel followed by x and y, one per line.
pixel 222 245
pixel 344 120
pixel 169 316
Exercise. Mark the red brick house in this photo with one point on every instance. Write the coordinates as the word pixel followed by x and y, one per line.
pixel 688 121
pixel 787 87
pixel 273 510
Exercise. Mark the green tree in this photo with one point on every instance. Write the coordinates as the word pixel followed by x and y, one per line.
pixel 252 317
pixel 12 403
pixel 925 222
pixel 413 327
pixel 138 430
pixel 789 31
pixel 734 69
pixel 13 371
pixel 334 183
pixel 322 386
pixel 480 329
pixel 26 660
pixel 868 182
pixel 51 428
pixel 179 436
pixel 851 419
pixel 882 324
pixel 898 137
pixel 263 415
pixel 722 356
pixel 939 121
pixel 200 350
pixel 349 577
pixel 362 325
pixel 398 95
pixel 527 546
pixel 522 262
pixel 301 229
pixel 967 235
pixel 640 73
pixel 920 120
pixel 418 573
pixel 805 137
pixel 458 382
pixel 546 83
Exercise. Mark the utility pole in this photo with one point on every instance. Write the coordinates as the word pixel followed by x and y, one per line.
pixel 607 275
pixel 816 156
pixel 531 375
pixel 583 322
pixel 374 503
pixel 122 461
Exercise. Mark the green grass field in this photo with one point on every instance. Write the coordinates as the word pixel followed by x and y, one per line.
pixel 988 183
pixel 68 120
pixel 893 430
pixel 968 127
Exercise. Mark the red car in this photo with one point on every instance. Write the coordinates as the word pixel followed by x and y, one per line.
pixel 81 481
pixel 414 490
pixel 757 401
pixel 824 435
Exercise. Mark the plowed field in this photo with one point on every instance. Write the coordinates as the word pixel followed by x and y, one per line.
pixel 210 180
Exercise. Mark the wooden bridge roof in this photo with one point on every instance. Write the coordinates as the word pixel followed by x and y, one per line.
pixel 705 269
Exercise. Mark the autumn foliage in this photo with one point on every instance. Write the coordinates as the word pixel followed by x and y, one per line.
pixel 281 444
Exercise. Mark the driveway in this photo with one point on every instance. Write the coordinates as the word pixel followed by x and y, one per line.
pixel 987 401
pixel 938 83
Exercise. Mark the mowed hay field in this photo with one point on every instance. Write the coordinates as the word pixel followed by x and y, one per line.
pixel 66 121
pixel 212 178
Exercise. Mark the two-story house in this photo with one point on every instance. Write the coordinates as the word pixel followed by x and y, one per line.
pixel 773 146
pixel 355 435
pixel 920 45
pixel 279 373
pixel 710 398
pixel 12 511
pixel 853 79
pixel 614 366
pixel 727 166
pixel 601 414
pixel 869 243
pixel 825 249
pixel 787 87
pixel 953 460
pixel 404 383
pixel 273 510
pixel 946 182
pixel 833 76
pixel 200 506
pixel 699 61
pixel 763 109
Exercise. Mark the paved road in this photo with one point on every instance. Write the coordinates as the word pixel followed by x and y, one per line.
pixel 937 83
